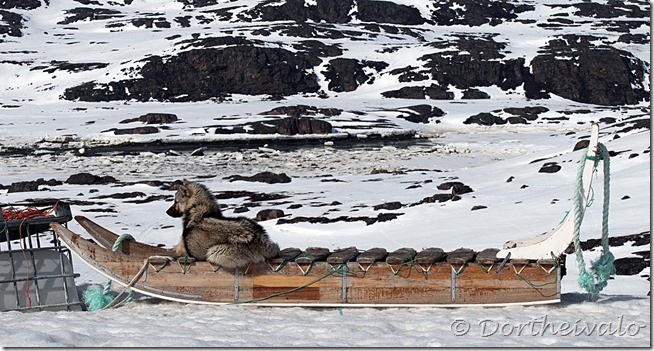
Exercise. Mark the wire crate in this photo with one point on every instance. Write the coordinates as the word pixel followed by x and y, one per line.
pixel 36 270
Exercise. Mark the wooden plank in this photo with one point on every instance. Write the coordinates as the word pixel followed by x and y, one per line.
pixel 379 285
pixel 400 256
pixel 519 261
pixel 488 256
pixel 106 238
pixel 430 255
pixel 370 256
pixel 293 286
pixel 475 285
pixel 286 255
pixel 460 256
pixel 343 255
pixel 311 255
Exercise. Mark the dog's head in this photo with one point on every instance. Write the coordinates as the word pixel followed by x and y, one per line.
pixel 194 198
pixel 183 200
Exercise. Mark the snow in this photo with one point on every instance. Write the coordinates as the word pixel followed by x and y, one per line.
pixel 612 322
pixel 482 157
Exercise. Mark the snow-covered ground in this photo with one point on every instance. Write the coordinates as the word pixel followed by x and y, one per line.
pixel 483 160
pixel 330 181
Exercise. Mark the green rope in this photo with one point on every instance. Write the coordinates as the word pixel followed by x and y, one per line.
pixel 5 227
pixel 335 269
pixel 555 263
pixel 184 266
pixel 309 256
pixel 603 266
pixel 163 265
pixel 96 299
pixel 532 284
pixel 407 260
pixel 281 266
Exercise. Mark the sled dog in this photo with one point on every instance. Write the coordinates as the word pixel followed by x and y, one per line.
pixel 209 236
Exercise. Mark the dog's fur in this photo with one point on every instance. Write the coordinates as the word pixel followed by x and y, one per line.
pixel 209 236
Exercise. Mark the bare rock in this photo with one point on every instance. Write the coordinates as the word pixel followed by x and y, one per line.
pixel 549 167
pixel 263 177
pixel 89 179
pixel 265 215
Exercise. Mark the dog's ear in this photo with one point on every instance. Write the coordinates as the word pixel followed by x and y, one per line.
pixel 185 181
pixel 184 190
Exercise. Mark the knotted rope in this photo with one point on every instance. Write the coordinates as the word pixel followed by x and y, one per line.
pixel 97 299
pixel 603 267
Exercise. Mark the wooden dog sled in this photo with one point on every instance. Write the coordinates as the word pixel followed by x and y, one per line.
pixel 523 272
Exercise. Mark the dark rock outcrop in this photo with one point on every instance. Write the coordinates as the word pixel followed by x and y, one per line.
pixel 136 130
pixel 202 74
pixel 457 188
pixel 336 11
pixel 382 217
pixel 11 23
pixel 300 125
pixel 89 14
pixel 263 177
pixel 422 113
pixel 89 179
pixel 283 126
pixel 484 119
pixel 391 206
pixel 265 215
pixel 476 12
pixel 153 118
pixel 475 61
pixel 433 91
pixel 630 265
pixel 348 74
pixel 24 186
pixel 574 68
pixel 580 68
pixel 302 110
pixel 549 167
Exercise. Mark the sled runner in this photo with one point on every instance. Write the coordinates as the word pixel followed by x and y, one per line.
pixel 522 272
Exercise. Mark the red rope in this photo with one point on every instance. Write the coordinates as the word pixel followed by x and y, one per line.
pixel 27 263
pixel 24 214
pixel 10 213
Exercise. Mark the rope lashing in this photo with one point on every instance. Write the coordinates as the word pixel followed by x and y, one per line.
pixel 335 269
pixel 96 299
pixel 555 265
pixel 603 267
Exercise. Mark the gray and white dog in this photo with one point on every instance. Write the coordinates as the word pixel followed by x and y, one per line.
pixel 210 236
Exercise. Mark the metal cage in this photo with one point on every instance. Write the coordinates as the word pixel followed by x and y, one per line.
pixel 36 270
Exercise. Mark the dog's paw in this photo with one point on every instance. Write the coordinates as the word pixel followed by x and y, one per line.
pixel 179 249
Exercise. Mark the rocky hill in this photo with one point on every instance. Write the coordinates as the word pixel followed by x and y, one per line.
pixel 436 55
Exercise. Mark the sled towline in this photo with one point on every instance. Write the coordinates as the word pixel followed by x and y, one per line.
pixel 523 272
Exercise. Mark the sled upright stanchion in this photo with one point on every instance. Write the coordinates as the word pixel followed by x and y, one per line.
pixel 36 270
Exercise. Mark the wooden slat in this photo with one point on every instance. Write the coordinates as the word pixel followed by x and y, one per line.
pixel 370 256
pixel 519 261
pixel 343 255
pixel 285 255
pixel 400 256
pixel 106 238
pixel 312 254
pixel 460 256
pixel 488 256
pixel 430 255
